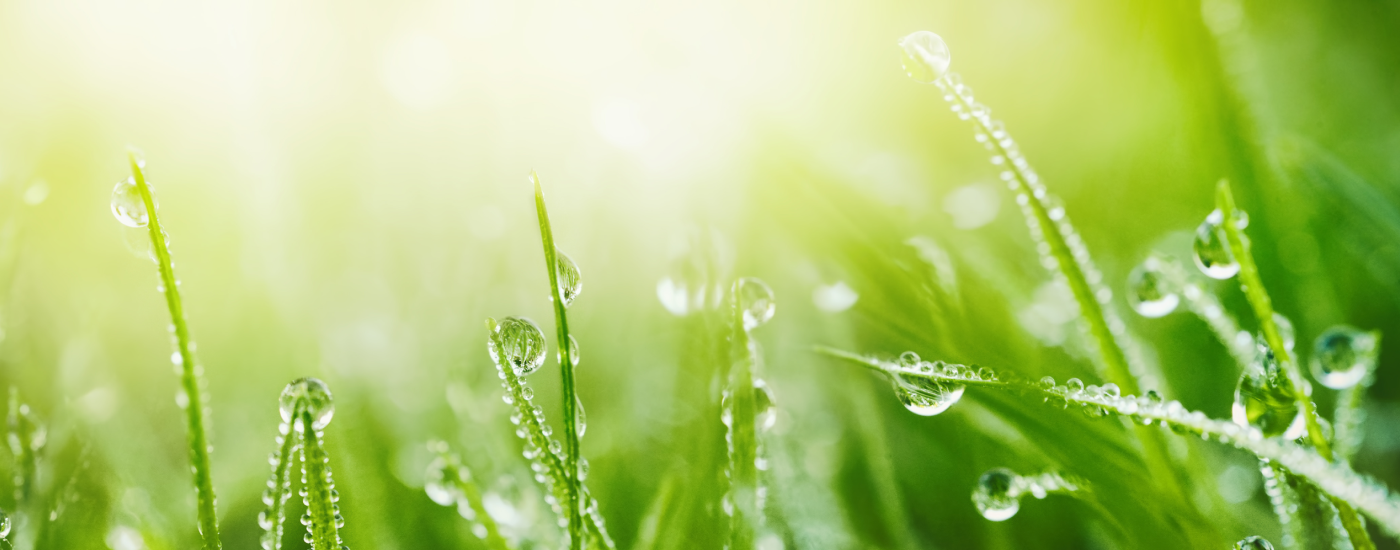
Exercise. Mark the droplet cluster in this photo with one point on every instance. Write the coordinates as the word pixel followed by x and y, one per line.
pixel 999 491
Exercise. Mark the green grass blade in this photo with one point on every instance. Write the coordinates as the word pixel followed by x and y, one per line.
pixel 743 445
pixel 1350 492
pixel 319 487
pixel 566 371
pixel 189 374
pixel 279 488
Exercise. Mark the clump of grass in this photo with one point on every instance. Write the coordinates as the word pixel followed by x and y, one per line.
pixel 450 483
pixel 134 205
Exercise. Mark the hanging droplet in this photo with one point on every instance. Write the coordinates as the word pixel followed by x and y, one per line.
pixel 1285 331
pixel 570 281
pixel 5 524
pixel 1343 356
pixel 756 302
pixel 765 414
pixel 309 395
pixel 127 204
pixel 436 484
pixel 519 344
pixel 997 495
pixel 1151 291
pixel 582 468
pixel 580 417
pixel 926 397
pixel 1253 543
pixel 573 352
pixel 926 56
pixel 1212 252
pixel 1264 397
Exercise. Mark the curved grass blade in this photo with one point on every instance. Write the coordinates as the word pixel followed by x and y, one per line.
pixel 318 489
pixel 566 371
pixel 455 481
pixel 279 488
pixel 1343 485
pixel 190 379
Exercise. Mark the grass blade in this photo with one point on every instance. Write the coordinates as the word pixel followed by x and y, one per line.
pixel 318 487
pixel 279 488
pixel 454 480
pixel 190 379
pixel 566 370
pixel 743 441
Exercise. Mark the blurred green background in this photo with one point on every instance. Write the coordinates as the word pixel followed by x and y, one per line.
pixel 344 186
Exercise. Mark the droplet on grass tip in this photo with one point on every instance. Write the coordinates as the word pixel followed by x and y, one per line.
pixel 127 204
pixel 570 280
pixel 996 496
pixel 755 302
pixel 926 56
pixel 1342 356
pixel 518 344
pixel 1151 291
pixel 310 395
pixel 1253 543
pixel 1211 249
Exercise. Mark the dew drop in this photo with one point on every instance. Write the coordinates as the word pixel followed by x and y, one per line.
pixel 436 484
pixel 1074 385
pixel 1285 331
pixel 926 397
pixel 1253 543
pixel 570 281
pixel 926 56
pixel 909 359
pixel 765 414
pixel 580 417
pixel 582 468
pixel 127 205
pixel 519 344
pixel 310 395
pixel 1264 398
pixel 573 352
pixel 756 302
pixel 1343 356
pixel 996 495
pixel 1211 251
pixel 1150 289
pixel 5 524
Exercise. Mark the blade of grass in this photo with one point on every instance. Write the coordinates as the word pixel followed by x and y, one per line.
pixel 316 481
pixel 189 373
pixel 743 444
pixel 1347 490
pixel 1258 296
pixel 460 477
pixel 278 488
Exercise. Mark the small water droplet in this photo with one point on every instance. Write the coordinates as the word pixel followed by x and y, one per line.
pixel 570 280
pixel 527 392
pixel 1074 385
pixel 1285 330
pixel 765 414
pixel 755 302
pixel 1151 291
pixel 573 352
pixel 437 485
pixel 909 359
pixel 926 56
pixel 1342 356
pixel 518 344
pixel 926 397
pixel 997 496
pixel 310 395
pixel 127 204
pixel 1211 250
pixel 5 525
pixel 1253 543
pixel 580 417
pixel 582 468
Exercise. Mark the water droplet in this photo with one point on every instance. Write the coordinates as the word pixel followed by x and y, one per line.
pixel 1264 397
pixel 1253 543
pixel 756 302
pixel 582 468
pixel 127 204
pixel 1151 291
pixel 997 495
pixel 479 530
pixel 5 525
pixel 1212 252
pixel 437 485
pixel 573 353
pixel 926 56
pixel 309 395
pixel 580 417
pixel 570 281
pixel 1110 390
pixel 1343 356
pixel 1074 385
pixel 926 397
pixel 527 392
pixel 1047 382
pixel 1285 330
pixel 909 359
pixel 518 344
pixel 765 414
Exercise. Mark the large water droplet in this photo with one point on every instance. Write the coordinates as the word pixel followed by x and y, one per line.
pixel 309 395
pixel 570 281
pixel 1151 291
pixel 127 205
pixel 1253 543
pixel 1342 356
pixel 1264 398
pixel 765 414
pixel 437 485
pixel 926 56
pixel 1212 252
pixel 756 302
pixel 997 496
pixel 518 344
pixel 926 397
pixel 5 524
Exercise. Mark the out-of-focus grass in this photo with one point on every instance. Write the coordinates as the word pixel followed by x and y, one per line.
pixel 344 185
